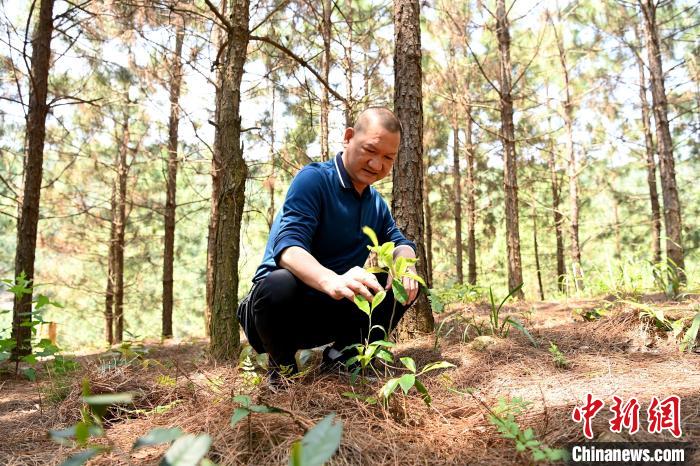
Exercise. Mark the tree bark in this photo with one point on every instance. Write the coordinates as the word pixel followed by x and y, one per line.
pixel 650 161
pixel 672 206
pixel 349 110
pixel 510 175
pixel 537 253
pixel 33 168
pixel 227 146
pixel 457 189
pixel 428 225
pixel 576 269
pixel 407 190
pixel 109 292
pixel 219 38
pixel 327 7
pixel 171 188
pixel 471 201
pixel 558 220
pixel 120 228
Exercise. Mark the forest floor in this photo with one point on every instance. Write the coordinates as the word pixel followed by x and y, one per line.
pixel 177 384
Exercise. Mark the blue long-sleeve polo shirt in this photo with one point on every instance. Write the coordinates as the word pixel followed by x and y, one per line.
pixel 324 214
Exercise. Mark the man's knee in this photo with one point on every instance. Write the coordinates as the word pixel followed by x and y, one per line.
pixel 279 288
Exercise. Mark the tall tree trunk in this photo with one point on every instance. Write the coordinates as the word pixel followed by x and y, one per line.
pixel 272 180
pixel 510 174
pixel 120 228
pixel 227 146
pixel 558 220
pixel 428 225
pixel 457 190
pixel 650 161
pixel 537 253
pixel 349 110
pixel 33 168
pixel 109 292
pixel 219 38
pixel 572 168
pixel 407 190
pixel 471 201
pixel 672 206
pixel 171 199
pixel 326 66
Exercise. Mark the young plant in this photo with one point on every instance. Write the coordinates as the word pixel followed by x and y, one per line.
pixel 410 380
pixel 667 278
pixel 319 444
pixel 501 327
pixel 44 347
pixel 396 269
pixel 558 357
pixel 503 417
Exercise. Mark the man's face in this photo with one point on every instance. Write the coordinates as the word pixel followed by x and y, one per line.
pixel 369 154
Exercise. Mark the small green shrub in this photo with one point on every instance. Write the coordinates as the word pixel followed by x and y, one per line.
pixel 558 357
pixel 411 380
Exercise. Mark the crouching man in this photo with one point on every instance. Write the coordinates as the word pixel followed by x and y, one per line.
pixel 303 291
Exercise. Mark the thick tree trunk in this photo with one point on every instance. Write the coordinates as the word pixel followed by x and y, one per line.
pixel 325 71
pixel 407 191
pixel 227 146
pixel 457 190
pixel 120 229
pixel 572 169
pixel 33 168
pixel 537 253
pixel 109 292
pixel 219 38
pixel 672 206
pixel 510 175
pixel 471 201
pixel 171 198
pixel 558 220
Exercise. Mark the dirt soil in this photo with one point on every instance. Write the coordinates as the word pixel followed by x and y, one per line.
pixel 177 384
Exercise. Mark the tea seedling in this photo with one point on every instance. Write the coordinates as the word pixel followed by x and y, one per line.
pixel 558 357
pixel 501 327
pixel 410 380
pixel 319 444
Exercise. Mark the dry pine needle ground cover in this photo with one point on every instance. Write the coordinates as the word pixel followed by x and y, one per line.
pixel 177 385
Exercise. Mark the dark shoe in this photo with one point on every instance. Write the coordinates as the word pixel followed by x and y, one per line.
pixel 334 360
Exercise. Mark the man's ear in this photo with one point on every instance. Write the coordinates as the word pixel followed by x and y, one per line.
pixel 349 133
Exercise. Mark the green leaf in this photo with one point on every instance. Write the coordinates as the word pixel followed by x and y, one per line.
pixel 385 355
pixel 187 450
pixel 407 381
pixel 82 457
pixel 243 400
pixel 400 265
pixel 384 343
pixel 409 363
pixel 157 436
pixel 238 415
pixel 30 374
pixel 372 235
pixel 691 334
pixel 362 304
pixel 107 399
pixel 319 444
pixel 375 270
pixel 399 291
pixel 63 435
pixel 389 388
pixel 515 323
pixel 264 409
pixel 378 298
pixel 436 365
pixel 423 391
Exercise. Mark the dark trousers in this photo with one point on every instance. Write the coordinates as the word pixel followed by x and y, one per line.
pixel 282 315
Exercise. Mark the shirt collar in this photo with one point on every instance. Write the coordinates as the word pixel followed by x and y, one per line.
pixel 343 176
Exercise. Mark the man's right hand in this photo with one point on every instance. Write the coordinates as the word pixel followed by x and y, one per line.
pixel 356 281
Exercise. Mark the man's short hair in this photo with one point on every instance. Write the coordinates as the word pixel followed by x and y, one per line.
pixel 381 115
